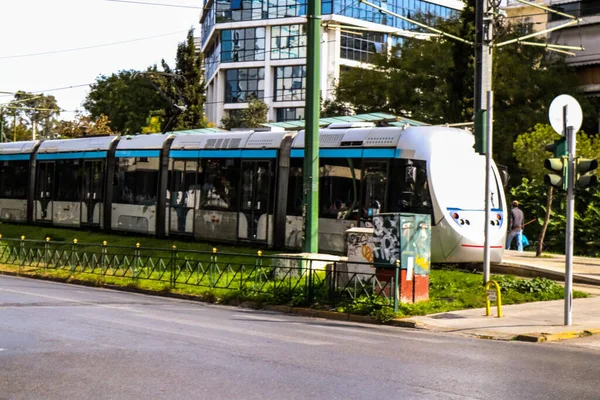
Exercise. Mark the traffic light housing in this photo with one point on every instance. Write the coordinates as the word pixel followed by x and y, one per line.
pixel 558 177
pixel 585 176
pixel 558 147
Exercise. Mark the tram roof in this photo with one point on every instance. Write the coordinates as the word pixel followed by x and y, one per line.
pixel 142 142
pixel 354 137
pixel 17 147
pixel 229 140
pixel 100 143
pixel 388 119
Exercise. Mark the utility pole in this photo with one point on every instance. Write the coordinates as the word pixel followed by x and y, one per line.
pixel 311 133
pixel 483 107
pixel 2 124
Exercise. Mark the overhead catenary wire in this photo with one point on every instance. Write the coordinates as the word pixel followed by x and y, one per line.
pixel 88 47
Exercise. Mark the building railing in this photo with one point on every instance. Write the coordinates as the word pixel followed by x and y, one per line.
pixel 285 279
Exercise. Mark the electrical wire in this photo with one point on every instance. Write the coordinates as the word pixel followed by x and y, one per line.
pixel 88 47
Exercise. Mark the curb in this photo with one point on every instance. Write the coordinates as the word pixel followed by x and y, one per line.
pixel 529 271
pixel 555 337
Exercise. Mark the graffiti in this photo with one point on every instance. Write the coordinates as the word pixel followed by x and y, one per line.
pixel 423 263
pixel 367 253
pixel 386 239
pixel 356 241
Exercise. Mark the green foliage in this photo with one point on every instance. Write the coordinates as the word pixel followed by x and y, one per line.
pixel 39 109
pixel 432 81
pixel 251 117
pixel 187 86
pixel 529 151
pixel 126 98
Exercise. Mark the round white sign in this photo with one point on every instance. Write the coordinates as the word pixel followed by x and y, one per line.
pixel 574 113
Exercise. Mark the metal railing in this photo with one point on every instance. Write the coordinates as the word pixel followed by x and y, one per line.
pixel 284 279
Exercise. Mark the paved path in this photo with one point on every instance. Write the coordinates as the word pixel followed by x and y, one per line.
pixel 585 269
pixel 63 342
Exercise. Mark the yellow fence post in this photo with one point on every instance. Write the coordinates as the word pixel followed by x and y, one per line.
pixel 493 293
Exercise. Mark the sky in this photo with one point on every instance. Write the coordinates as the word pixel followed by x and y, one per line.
pixel 29 27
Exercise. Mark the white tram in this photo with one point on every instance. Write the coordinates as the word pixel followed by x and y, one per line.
pixel 247 187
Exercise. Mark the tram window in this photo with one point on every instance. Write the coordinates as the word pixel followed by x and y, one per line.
pixel 219 183
pixel 136 181
pixel 338 187
pixel 14 179
pixel 295 196
pixel 68 186
pixel 374 188
pixel 410 188
pixel 183 189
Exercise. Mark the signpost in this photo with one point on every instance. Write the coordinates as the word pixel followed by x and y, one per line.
pixel 566 117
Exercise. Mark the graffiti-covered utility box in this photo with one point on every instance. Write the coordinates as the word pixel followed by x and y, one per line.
pixel 360 252
pixel 405 237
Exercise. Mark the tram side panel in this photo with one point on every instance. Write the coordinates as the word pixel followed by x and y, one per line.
pixel 14 187
pixel 135 192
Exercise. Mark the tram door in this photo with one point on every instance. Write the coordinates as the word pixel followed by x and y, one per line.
pixel 93 193
pixel 44 191
pixel 256 194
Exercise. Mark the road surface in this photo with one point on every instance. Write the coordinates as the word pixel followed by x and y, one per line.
pixel 70 342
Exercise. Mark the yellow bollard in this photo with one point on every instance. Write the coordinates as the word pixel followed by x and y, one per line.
pixel 498 298
pixel 137 245
pixel 74 241
pixel 260 253
pixel 105 243
pixel 23 237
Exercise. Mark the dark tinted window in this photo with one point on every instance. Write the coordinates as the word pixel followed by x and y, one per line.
pixel 14 179
pixel 136 180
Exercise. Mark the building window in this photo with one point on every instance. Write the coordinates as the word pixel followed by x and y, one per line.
pixel 290 83
pixel 362 47
pixel 243 44
pixel 577 9
pixel 287 8
pixel 288 41
pixel 240 84
pixel 289 114
pixel 212 59
pixel 407 8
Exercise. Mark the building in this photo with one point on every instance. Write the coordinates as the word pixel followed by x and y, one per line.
pixel 586 33
pixel 516 11
pixel 258 48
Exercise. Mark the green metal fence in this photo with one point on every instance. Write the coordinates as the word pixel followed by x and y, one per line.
pixel 283 277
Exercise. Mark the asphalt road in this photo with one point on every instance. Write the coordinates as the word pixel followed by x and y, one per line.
pixel 70 342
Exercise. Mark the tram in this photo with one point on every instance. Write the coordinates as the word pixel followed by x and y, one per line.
pixel 247 187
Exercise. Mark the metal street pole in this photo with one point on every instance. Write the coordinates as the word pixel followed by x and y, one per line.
pixel 2 124
pixel 488 186
pixel 483 110
pixel 571 144
pixel 483 70
pixel 311 134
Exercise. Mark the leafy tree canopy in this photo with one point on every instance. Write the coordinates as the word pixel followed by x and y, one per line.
pixel 126 98
pixel 251 117
pixel 84 125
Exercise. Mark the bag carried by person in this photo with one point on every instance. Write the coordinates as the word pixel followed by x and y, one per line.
pixel 525 241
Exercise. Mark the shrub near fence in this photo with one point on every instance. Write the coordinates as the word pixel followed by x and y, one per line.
pixel 281 279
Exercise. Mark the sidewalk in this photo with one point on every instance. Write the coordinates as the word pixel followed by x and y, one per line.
pixel 529 322
pixel 586 270
pixel 537 321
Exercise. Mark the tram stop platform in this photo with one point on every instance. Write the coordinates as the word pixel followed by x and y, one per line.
pixel 535 322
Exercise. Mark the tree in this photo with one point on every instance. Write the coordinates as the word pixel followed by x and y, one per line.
pixel 39 110
pixel 84 125
pixel 186 84
pixel 126 98
pixel 251 117
pixel 432 81
pixel 530 152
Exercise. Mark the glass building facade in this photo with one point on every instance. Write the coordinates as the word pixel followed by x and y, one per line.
pixel 247 58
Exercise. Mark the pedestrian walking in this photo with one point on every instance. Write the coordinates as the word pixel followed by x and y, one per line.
pixel 516 222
